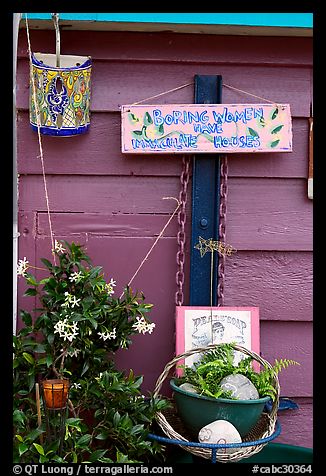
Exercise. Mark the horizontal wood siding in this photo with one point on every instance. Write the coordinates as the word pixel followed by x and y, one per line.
pixel 114 203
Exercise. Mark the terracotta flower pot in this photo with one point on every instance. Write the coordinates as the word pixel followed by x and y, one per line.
pixel 55 393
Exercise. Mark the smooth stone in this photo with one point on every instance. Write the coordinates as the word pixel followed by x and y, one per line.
pixel 220 432
pixel 240 386
pixel 188 387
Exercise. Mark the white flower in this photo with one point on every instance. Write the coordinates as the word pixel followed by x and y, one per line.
pixel 142 326
pixel 75 276
pixel 76 385
pixel 74 301
pixel 71 352
pixel 70 300
pixel 109 287
pixel 22 267
pixel 107 335
pixel 58 247
pixel 99 377
pixel 66 330
pixel 74 352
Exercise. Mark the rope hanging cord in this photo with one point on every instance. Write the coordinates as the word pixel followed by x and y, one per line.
pixel 38 117
pixel 191 83
pixel 55 18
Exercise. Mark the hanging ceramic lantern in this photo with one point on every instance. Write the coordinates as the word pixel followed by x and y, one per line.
pixel 60 91
pixel 62 94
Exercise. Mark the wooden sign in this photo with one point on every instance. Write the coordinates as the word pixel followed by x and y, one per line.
pixel 206 128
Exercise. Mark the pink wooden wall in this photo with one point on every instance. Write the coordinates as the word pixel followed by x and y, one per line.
pixel 113 203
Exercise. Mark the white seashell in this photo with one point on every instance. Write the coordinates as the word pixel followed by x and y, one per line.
pixel 220 432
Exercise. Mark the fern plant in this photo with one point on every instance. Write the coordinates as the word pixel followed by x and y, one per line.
pixel 207 373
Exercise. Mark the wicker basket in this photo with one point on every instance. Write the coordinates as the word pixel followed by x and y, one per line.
pixel 258 436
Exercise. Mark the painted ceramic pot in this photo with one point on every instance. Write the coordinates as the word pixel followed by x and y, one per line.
pixel 62 94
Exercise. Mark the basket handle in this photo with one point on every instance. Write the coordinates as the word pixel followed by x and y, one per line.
pixel 237 347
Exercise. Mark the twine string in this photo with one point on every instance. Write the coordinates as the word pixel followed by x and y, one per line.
pixel 249 94
pixel 156 241
pixel 38 119
pixel 191 83
pixel 163 93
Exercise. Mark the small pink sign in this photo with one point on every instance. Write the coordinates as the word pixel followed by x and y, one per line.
pixel 199 326
pixel 206 128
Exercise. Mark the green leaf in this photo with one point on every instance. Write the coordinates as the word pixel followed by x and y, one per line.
pixel 116 419
pixel 132 117
pixel 74 457
pixel 50 339
pixel 85 368
pixel 262 122
pixel 18 417
pixel 277 129
pixel 39 449
pixel 22 448
pixel 48 360
pixel 19 438
pixel 274 143
pixel 83 441
pixel 73 422
pixel 274 114
pixel 30 292
pixel 31 280
pixel 26 318
pixel 40 349
pixel 147 119
pixel 29 358
pixel 97 455
pixel 103 435
pixel 252 132
pixel 47 263
pixel 161 129
pixel 137 133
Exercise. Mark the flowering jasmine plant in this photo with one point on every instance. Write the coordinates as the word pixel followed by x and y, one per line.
pixel 76 329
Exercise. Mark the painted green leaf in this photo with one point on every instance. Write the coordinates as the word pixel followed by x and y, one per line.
pixel 262 122
pixel 274 114
pixel 275 142
pixel 208 137
pixel 161 129
pixel 277 129
pixel 252 132
pixel 137 133
pixel 147 119
pixel 132 117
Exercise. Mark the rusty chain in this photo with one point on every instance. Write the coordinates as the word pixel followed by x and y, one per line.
pixel 181 236
pixel 222 228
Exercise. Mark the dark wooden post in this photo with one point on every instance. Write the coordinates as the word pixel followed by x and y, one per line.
pixel 205 203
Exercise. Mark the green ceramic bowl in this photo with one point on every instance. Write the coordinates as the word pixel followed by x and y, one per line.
pixel 197 411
